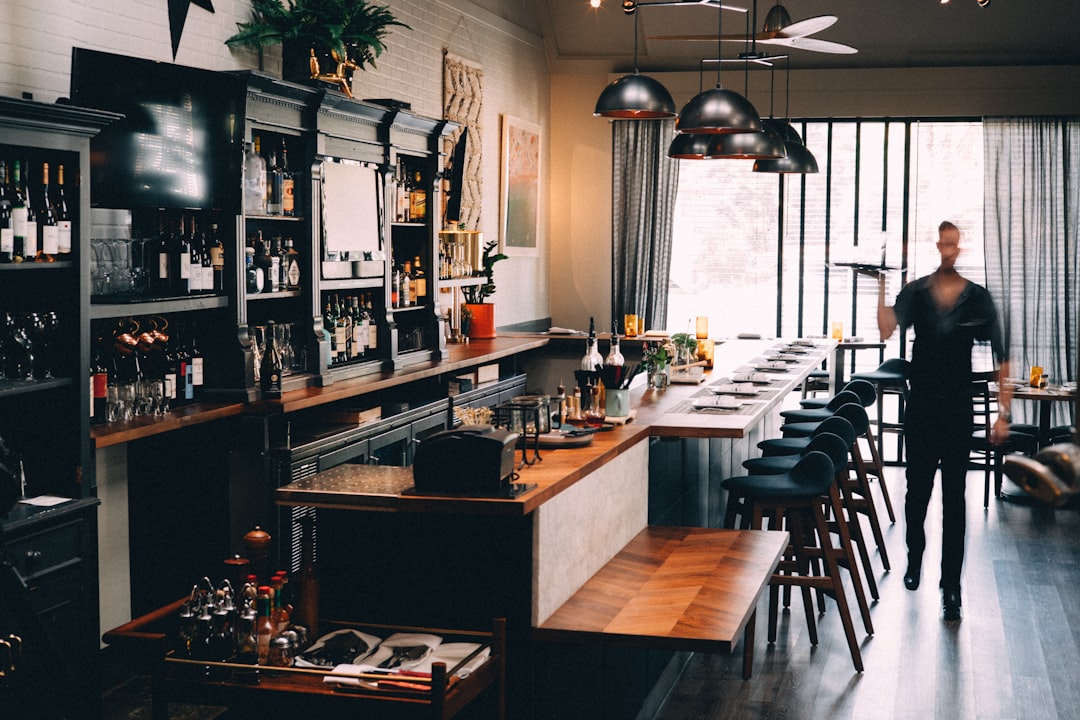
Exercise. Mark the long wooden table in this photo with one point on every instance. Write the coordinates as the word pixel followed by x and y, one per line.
pixel 677 588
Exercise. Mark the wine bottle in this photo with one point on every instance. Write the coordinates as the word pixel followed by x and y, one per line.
pixel 48 243
pixel 270 365
pixel 206 282
pixel 254 180
pixel 159 260
pixel 217 259
pixel 341 330
pixel 359 329
pixel 22 218
pixel 262 264
pixel 62 213
pixel 395 288
pixel 180 263
pixel 373 327
pixel 197 365
pixel 329 327
pixel 288 184
pixel 7 232
pixel 405 290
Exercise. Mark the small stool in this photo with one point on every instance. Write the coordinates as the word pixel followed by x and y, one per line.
pixel 795 498
pixel 890 378
pixel 866 391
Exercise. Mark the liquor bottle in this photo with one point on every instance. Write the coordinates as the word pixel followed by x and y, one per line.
pixel 270 366
pixel 275 178
pixel 204 269
pixel 288 184
pixel 419 281
pixel 23 217
pixel 329 327
pixel 359 329
pixel 48 242
pixel 373 327
pixel 417 199
pixel 277 264
pixel 395 288
pixel 292 266
pixel 307 594
pixel 7 233
pixel 217 259
pixel 62 213
pixel 341 330
pixel 262 264
pixel 401 192
pixel 405 294
pixel 254 180
pixel 251 273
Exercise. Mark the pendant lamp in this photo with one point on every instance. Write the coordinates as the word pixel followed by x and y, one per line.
pixel 798 160
pixel 718 111
pixel 690 147
pixel 635 96
pixel 768 144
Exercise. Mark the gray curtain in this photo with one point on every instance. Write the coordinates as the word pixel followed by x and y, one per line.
pixel 1031 218
pixel 643 203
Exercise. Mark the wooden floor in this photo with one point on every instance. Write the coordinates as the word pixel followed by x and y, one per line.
pixel 1014 655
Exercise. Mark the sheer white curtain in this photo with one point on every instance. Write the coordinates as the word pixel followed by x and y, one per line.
pixel 1031 216
pixel 643 203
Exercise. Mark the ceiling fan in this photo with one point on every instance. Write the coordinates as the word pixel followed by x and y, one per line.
pixel 780 30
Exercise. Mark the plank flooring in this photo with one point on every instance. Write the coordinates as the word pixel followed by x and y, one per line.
pixel 1014 656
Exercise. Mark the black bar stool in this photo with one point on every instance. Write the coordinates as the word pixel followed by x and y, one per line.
pixel 890 378
pixel 794 498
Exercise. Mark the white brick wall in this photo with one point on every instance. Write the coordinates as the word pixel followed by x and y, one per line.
pixel 38 35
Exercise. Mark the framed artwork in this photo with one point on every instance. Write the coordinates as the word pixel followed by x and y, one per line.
pixel 520 187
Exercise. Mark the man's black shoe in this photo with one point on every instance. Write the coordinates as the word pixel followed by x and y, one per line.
pixel 911 577
pixel 951 601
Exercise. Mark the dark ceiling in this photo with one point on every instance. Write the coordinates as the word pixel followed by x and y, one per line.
pixel 887 33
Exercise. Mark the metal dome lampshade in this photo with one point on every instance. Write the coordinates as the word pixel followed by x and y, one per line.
pixel 765 145
pixel 635 96
pixel 799 159
pixel 690 147
pixel 718 111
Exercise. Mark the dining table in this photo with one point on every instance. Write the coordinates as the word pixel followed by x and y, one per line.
pixel 1045 397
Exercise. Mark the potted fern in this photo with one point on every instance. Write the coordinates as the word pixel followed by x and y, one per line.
pixel 482 314
pixel 322 39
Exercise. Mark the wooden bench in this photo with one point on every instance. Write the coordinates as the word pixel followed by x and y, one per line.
pixel 674 588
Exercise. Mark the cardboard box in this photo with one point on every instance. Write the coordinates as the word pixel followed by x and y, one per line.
pixel 354 416
pixel 487 373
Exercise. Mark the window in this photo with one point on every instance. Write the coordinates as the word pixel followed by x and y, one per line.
pixel 757 252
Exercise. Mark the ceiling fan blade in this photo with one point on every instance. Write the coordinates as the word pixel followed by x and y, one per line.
pixel 690 3
pixel 802 28
pixel 813 45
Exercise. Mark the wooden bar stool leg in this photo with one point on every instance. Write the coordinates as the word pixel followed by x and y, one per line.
pixel 879 471
pixel 748 647
pixel 858 539
pixel 846 557
pixel 837 586
pixel 866 503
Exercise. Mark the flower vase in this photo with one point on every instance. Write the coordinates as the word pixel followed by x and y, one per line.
pixel 482 325
pixel 659 379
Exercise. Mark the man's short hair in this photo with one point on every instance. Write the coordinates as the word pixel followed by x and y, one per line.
pixel 946 225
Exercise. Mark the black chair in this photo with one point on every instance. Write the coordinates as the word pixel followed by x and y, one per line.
pixel 890 378
pixel 837 447
pixel 863 389
pixel 794 499
pixel 985 455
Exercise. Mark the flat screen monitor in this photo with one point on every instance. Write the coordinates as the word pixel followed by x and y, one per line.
pixel 180 144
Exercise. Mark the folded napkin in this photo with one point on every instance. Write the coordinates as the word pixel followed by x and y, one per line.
pixel 343 646
pixel 751 378
pixel 403 650
pixel 452 654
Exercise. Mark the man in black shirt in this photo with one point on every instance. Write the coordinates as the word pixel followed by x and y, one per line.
pixel 949 313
